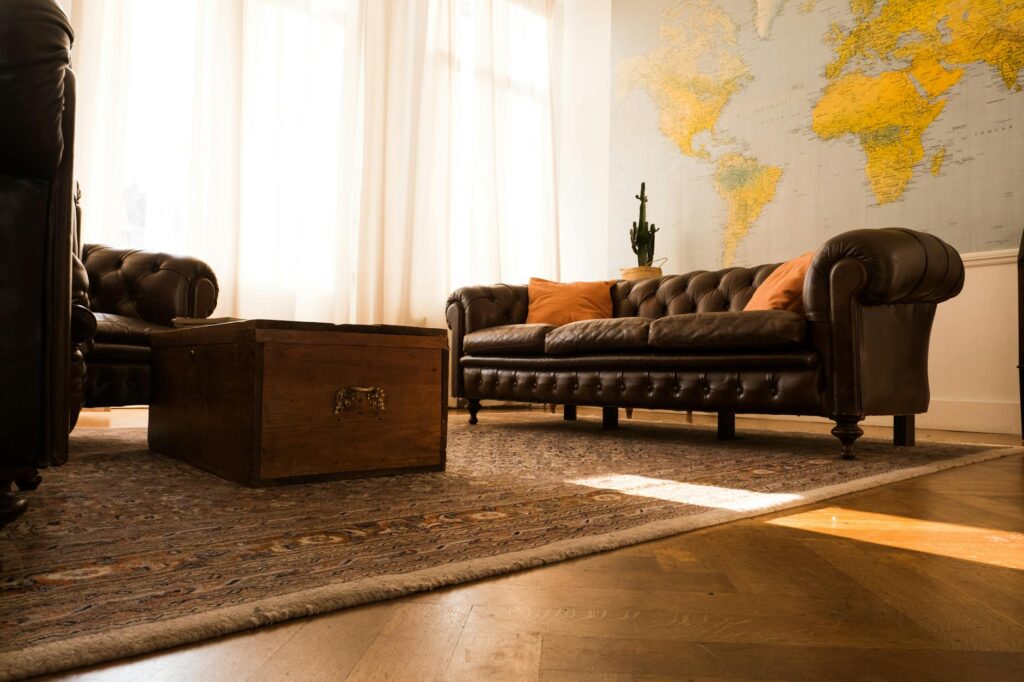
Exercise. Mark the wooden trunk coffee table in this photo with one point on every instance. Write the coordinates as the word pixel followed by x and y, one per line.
pixel 263 402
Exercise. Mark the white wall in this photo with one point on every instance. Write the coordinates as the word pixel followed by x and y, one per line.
pixel 973 356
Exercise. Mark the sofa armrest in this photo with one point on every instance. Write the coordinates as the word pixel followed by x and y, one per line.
pixel 886 266
pixel 471 309
pixel 870 298
pixel 83 324
pixel 156 287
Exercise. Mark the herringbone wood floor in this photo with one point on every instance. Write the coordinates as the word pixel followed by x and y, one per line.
pixel 920 580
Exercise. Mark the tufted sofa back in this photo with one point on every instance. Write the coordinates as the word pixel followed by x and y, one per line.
pixel 700 291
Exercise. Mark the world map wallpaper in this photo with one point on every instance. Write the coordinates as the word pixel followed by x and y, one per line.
pixel 762 128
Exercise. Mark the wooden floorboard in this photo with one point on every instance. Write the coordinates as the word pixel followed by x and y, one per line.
pixel 905 585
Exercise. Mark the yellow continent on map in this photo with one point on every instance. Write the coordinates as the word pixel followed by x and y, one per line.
pixel 693 74
pixel 691 77
pixel 888 116
pixel 894 69
pixel 746 186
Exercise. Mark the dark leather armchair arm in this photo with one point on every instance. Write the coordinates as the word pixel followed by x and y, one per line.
pixel 471 309
pixel 870 298
pixel 156 287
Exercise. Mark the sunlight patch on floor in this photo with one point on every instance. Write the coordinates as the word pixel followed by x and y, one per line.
pixel 969 543
pixel 687 493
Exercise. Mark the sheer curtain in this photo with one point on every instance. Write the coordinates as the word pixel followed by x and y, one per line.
pixel 336 160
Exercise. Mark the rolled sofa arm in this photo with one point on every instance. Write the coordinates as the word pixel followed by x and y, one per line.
pixel 156 287
pixel 899 266
pixel 471 309
pixel 870 298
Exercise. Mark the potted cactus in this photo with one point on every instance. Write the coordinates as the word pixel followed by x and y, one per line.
pixel 641 235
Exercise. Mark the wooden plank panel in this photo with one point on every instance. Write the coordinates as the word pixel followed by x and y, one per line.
pixel 326 648
pixel 686 626
pixel 302 436
pixel 483 656
pixel 201 410
pixel 329 338
pixel 956 620
pixel 415 644
pixel 652 659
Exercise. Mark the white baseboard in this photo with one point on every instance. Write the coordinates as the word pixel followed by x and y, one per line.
pixel 978 416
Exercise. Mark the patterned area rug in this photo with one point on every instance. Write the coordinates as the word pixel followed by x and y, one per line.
pixel 125 551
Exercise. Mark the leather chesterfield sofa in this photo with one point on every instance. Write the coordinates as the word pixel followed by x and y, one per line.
pixel 683 342
pixel 133 294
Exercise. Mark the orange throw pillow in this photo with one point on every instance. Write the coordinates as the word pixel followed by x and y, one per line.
pixel 784 288
pixel 556 303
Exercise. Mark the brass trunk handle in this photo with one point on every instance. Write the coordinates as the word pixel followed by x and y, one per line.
pixel 373 396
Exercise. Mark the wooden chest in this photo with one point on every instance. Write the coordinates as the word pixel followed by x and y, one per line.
pixel 262 402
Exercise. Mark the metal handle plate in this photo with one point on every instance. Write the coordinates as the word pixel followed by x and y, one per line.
pixel 354 396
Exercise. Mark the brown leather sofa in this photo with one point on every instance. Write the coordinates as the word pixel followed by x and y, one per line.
pixel 132 294
pixel 683 342
pixel 37 114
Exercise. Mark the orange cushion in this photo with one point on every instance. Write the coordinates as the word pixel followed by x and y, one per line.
pixel 784 288
pixel 556 303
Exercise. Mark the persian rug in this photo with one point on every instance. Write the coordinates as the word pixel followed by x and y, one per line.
pixel 125 551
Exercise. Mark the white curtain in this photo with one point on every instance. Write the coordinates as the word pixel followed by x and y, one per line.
pixel 335 160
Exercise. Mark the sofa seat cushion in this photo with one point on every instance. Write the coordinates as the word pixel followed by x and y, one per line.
pixel 598 336
pixel 508 339
pixel 749 330
pixel 122 329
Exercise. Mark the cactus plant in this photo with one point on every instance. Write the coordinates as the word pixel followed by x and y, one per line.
pixel 642 234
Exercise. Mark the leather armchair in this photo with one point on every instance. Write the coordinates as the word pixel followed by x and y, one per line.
pixel 37 114
pixel 133 294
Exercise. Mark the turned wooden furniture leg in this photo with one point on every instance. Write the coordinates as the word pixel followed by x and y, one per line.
pixel 29 482
pixel 11 505
pixel 847 431
pixel 610 417
pixel 569 413
pixel 726 425
pixel 474 407
pixel 903 430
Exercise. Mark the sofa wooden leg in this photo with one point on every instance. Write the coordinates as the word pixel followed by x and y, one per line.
pixel 474 407
pixel 903 430
pixel 29 482
pixel 610 417
pixel 629 413
pixel 847 431
pixel 726 425
pixel 11 505
pixel 569 413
